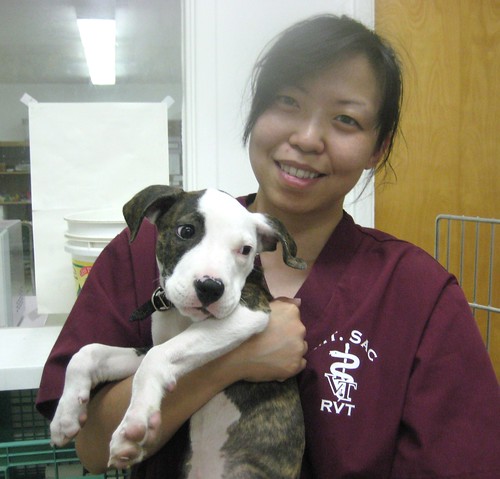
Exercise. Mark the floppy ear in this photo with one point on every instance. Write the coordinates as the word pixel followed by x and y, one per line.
pixel 149 203
pixel 271 230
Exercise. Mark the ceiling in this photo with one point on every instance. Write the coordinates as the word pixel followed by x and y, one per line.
pixel 40 43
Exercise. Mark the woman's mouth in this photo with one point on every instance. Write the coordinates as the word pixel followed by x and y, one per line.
pixel 298 172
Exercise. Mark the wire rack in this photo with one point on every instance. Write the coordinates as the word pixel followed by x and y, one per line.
pixel 37 459
pixel 469 247
pixel 25 449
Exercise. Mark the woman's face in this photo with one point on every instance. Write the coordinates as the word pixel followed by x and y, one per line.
pixel 309 148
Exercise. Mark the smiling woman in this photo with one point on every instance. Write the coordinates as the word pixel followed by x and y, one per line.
pixel 394 380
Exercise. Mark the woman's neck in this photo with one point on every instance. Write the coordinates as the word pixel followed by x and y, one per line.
pixel 310 231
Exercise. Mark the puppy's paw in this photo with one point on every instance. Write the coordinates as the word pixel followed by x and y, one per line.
pixel 134 436
pixel 69 418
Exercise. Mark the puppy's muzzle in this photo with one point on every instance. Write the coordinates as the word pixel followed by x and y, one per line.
pixel 208 290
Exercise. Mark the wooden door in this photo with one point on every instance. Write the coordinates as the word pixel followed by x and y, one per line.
pixel 449 159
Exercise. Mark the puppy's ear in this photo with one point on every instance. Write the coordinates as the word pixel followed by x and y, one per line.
pixel 271 230
pixel 149 203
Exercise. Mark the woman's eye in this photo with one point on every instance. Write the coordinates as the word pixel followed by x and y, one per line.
pixel 347 120
pixel 287 100
pixel 185 231
pixel 245 250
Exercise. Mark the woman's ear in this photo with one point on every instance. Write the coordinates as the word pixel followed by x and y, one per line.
pixel 378 154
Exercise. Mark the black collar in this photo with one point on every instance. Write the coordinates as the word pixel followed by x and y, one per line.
pixel 158 302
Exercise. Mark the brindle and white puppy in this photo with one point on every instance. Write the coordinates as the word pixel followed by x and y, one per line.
pixel 207 243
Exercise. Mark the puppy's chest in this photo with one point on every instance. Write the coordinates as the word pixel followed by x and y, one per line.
pixel 209 433
pixel 210 427
pixel 167 324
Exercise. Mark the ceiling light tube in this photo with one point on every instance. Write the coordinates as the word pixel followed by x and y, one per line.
pixel 98 39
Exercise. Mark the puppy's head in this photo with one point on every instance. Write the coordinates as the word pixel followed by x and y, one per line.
pixel 207 242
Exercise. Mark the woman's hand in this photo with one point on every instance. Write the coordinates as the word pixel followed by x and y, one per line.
pixel 278 352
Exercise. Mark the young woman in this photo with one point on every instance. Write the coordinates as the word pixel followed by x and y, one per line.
pixel 394 378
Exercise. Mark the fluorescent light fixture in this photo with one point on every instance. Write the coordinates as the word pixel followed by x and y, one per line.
pixel 98 38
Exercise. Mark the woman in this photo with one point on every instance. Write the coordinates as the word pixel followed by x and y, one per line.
pixel 395 381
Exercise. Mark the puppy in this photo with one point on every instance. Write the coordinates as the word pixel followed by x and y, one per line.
pixel 211 299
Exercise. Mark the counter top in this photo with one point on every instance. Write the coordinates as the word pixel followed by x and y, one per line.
pixel 23 352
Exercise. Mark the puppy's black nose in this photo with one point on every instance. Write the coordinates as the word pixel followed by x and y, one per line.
pixel 208 290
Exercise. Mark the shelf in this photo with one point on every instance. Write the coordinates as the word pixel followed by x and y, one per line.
pixel 14 144
pixel 15 175
pixel 5 203
pixel 23 352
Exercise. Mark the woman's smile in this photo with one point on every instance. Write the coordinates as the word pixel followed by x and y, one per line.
pixel 297 172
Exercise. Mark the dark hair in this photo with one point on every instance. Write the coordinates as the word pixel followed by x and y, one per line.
pixel 313 45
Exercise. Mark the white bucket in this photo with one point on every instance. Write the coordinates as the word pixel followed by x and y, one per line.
pixel 87 234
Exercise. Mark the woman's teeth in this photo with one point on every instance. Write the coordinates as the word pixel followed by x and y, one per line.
pixel 298 173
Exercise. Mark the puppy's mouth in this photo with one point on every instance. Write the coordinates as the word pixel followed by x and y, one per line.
pixel 197 313
pixel 201 313
pixel 206 312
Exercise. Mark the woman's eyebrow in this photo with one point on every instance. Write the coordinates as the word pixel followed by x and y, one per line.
pixel 365 106
pixel 351 101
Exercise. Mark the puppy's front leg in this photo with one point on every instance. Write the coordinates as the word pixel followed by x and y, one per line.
pixel 166 363
pixel 92 365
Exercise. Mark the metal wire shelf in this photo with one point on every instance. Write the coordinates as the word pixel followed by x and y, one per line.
pixel 468 247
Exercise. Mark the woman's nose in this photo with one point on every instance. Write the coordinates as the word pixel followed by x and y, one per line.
pixel 308 136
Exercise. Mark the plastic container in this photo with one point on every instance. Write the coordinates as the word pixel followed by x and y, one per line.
pixel 87 235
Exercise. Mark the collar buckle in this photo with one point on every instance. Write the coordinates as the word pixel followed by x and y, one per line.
pixel 159 300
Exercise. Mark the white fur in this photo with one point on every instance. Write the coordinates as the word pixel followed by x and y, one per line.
pixel 92 365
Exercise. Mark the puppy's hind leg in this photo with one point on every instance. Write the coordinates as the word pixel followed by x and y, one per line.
pixel 92 365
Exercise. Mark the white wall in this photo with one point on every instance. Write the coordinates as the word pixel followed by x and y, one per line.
pixel 222 39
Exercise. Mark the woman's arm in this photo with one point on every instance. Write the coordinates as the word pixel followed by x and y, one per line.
pixel 275 354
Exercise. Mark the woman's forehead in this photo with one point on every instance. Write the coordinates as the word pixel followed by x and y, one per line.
pixel 350 82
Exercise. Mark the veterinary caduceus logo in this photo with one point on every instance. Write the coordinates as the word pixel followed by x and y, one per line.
pixel 346 360
pixel 341 382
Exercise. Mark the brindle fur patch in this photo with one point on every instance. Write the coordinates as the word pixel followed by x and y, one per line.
pixel 251 443
pixel 169 247
pixel 255 295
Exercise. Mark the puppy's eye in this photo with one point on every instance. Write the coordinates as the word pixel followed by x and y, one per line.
pixel 245 250
pixel 185 232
